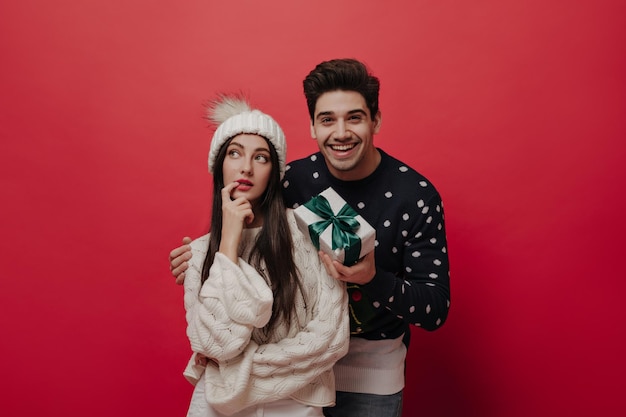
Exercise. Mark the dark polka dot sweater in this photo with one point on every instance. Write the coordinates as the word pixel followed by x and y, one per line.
pixel 412 282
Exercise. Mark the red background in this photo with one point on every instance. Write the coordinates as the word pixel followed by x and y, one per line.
pixel 514 109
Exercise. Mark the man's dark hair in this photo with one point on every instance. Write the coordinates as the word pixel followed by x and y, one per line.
pixel 341 74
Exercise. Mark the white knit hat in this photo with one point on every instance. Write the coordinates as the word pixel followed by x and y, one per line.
pixel 234 116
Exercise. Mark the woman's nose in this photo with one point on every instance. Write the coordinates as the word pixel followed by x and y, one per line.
pixel 246 168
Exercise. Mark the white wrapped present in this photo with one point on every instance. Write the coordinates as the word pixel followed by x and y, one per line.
pixel 335 227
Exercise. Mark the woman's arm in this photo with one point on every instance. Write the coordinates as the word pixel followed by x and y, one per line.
pixel 222 313
pixel 278 370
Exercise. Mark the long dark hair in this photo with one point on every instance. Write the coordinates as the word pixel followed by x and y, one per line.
pixel 272 253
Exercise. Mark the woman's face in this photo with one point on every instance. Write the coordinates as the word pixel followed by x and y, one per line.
pixel 248 163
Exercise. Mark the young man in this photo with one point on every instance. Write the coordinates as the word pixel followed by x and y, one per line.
pixel 406 279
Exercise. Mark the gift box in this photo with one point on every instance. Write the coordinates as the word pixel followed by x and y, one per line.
pixel 335 227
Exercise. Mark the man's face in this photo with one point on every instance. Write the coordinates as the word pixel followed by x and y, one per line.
pixel 344 130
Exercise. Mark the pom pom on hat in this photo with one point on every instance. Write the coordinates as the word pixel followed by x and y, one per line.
pixel 234 116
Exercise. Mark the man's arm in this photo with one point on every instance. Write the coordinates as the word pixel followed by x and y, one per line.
pixel 179 258
pixel 420 293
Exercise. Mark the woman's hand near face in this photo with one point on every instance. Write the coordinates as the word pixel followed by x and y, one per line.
pixel 235 214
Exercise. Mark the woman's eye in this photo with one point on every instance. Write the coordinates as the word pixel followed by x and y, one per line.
pixel 263 158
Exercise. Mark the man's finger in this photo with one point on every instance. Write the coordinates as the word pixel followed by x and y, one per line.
pixel 328 265
pixel 179 269
pixel 179 260
pixel 179 251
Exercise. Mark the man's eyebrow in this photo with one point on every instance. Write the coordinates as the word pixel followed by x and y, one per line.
pixel 324 113
pixel 330 113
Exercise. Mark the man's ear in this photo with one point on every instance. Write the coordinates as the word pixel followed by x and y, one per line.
pixel 313 135
pixel 378 121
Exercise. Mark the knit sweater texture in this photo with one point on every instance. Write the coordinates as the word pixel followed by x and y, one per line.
pixel 225 316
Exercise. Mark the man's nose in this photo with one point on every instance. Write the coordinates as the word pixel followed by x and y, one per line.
pixel 341 132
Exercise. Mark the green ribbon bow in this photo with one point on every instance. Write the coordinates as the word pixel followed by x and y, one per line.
pixel 344 224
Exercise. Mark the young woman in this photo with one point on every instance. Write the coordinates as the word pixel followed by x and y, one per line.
pixel 265 321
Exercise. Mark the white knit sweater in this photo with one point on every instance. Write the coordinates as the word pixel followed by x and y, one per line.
pixel 223 321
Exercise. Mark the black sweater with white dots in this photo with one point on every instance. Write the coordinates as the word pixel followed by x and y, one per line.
pixel 412 282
